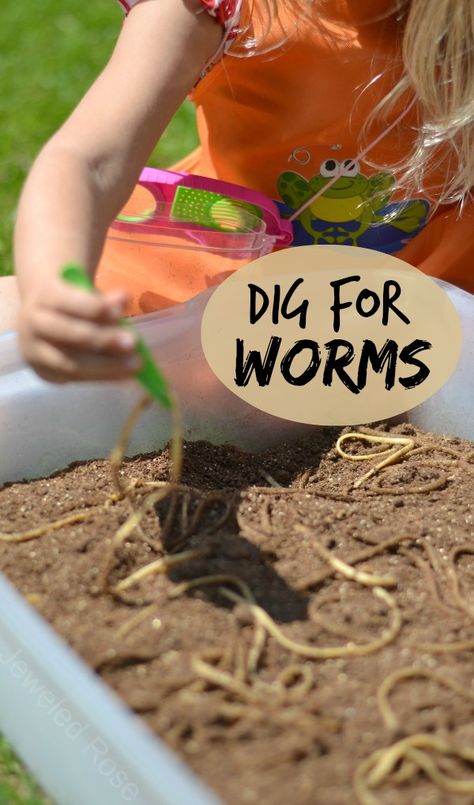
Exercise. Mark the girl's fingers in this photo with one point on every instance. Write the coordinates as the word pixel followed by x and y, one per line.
pixel 79 303
pixel 59 365
pixel 116 303
pixel 81 334
pixel 75 334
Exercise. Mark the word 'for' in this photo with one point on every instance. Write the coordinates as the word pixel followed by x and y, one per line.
pixel 340 353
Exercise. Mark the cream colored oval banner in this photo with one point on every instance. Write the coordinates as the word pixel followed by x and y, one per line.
pixel 331 335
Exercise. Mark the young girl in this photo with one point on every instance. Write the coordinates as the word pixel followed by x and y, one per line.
pixel 375 95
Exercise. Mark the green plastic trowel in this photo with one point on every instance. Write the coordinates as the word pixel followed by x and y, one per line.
pixel 149 375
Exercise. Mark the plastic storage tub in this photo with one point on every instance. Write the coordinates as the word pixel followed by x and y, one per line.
pixel 74 734
pixel 43 428
pixel 179 234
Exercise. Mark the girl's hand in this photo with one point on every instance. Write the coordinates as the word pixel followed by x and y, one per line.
pixel 72 334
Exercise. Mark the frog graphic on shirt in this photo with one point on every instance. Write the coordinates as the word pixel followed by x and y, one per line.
pixel 354 211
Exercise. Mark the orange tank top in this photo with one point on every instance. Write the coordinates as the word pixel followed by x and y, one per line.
pixel 285 121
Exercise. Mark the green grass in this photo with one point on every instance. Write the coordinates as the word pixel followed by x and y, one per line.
pixel 50 52
pixel 15 785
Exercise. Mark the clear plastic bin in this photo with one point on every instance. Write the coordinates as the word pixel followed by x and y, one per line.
pixel 175 261
pixel 174 240
pixel 44 427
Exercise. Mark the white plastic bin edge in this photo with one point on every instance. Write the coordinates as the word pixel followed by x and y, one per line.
pixel 75 735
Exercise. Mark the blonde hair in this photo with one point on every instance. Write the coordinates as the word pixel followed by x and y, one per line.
pixel 438 68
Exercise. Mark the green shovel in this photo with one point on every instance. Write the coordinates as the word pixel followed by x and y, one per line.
pixel 149 375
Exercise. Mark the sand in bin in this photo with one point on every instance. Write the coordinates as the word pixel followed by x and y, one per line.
pixel 297 627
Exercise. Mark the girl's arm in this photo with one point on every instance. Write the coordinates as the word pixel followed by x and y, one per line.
pixel 83 177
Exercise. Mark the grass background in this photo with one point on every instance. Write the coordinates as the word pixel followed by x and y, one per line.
pixel 50 52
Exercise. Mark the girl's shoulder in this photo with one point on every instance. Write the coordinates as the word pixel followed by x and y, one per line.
pixel 226 12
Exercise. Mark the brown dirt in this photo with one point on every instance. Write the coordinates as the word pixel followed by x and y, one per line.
pixel 266 743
